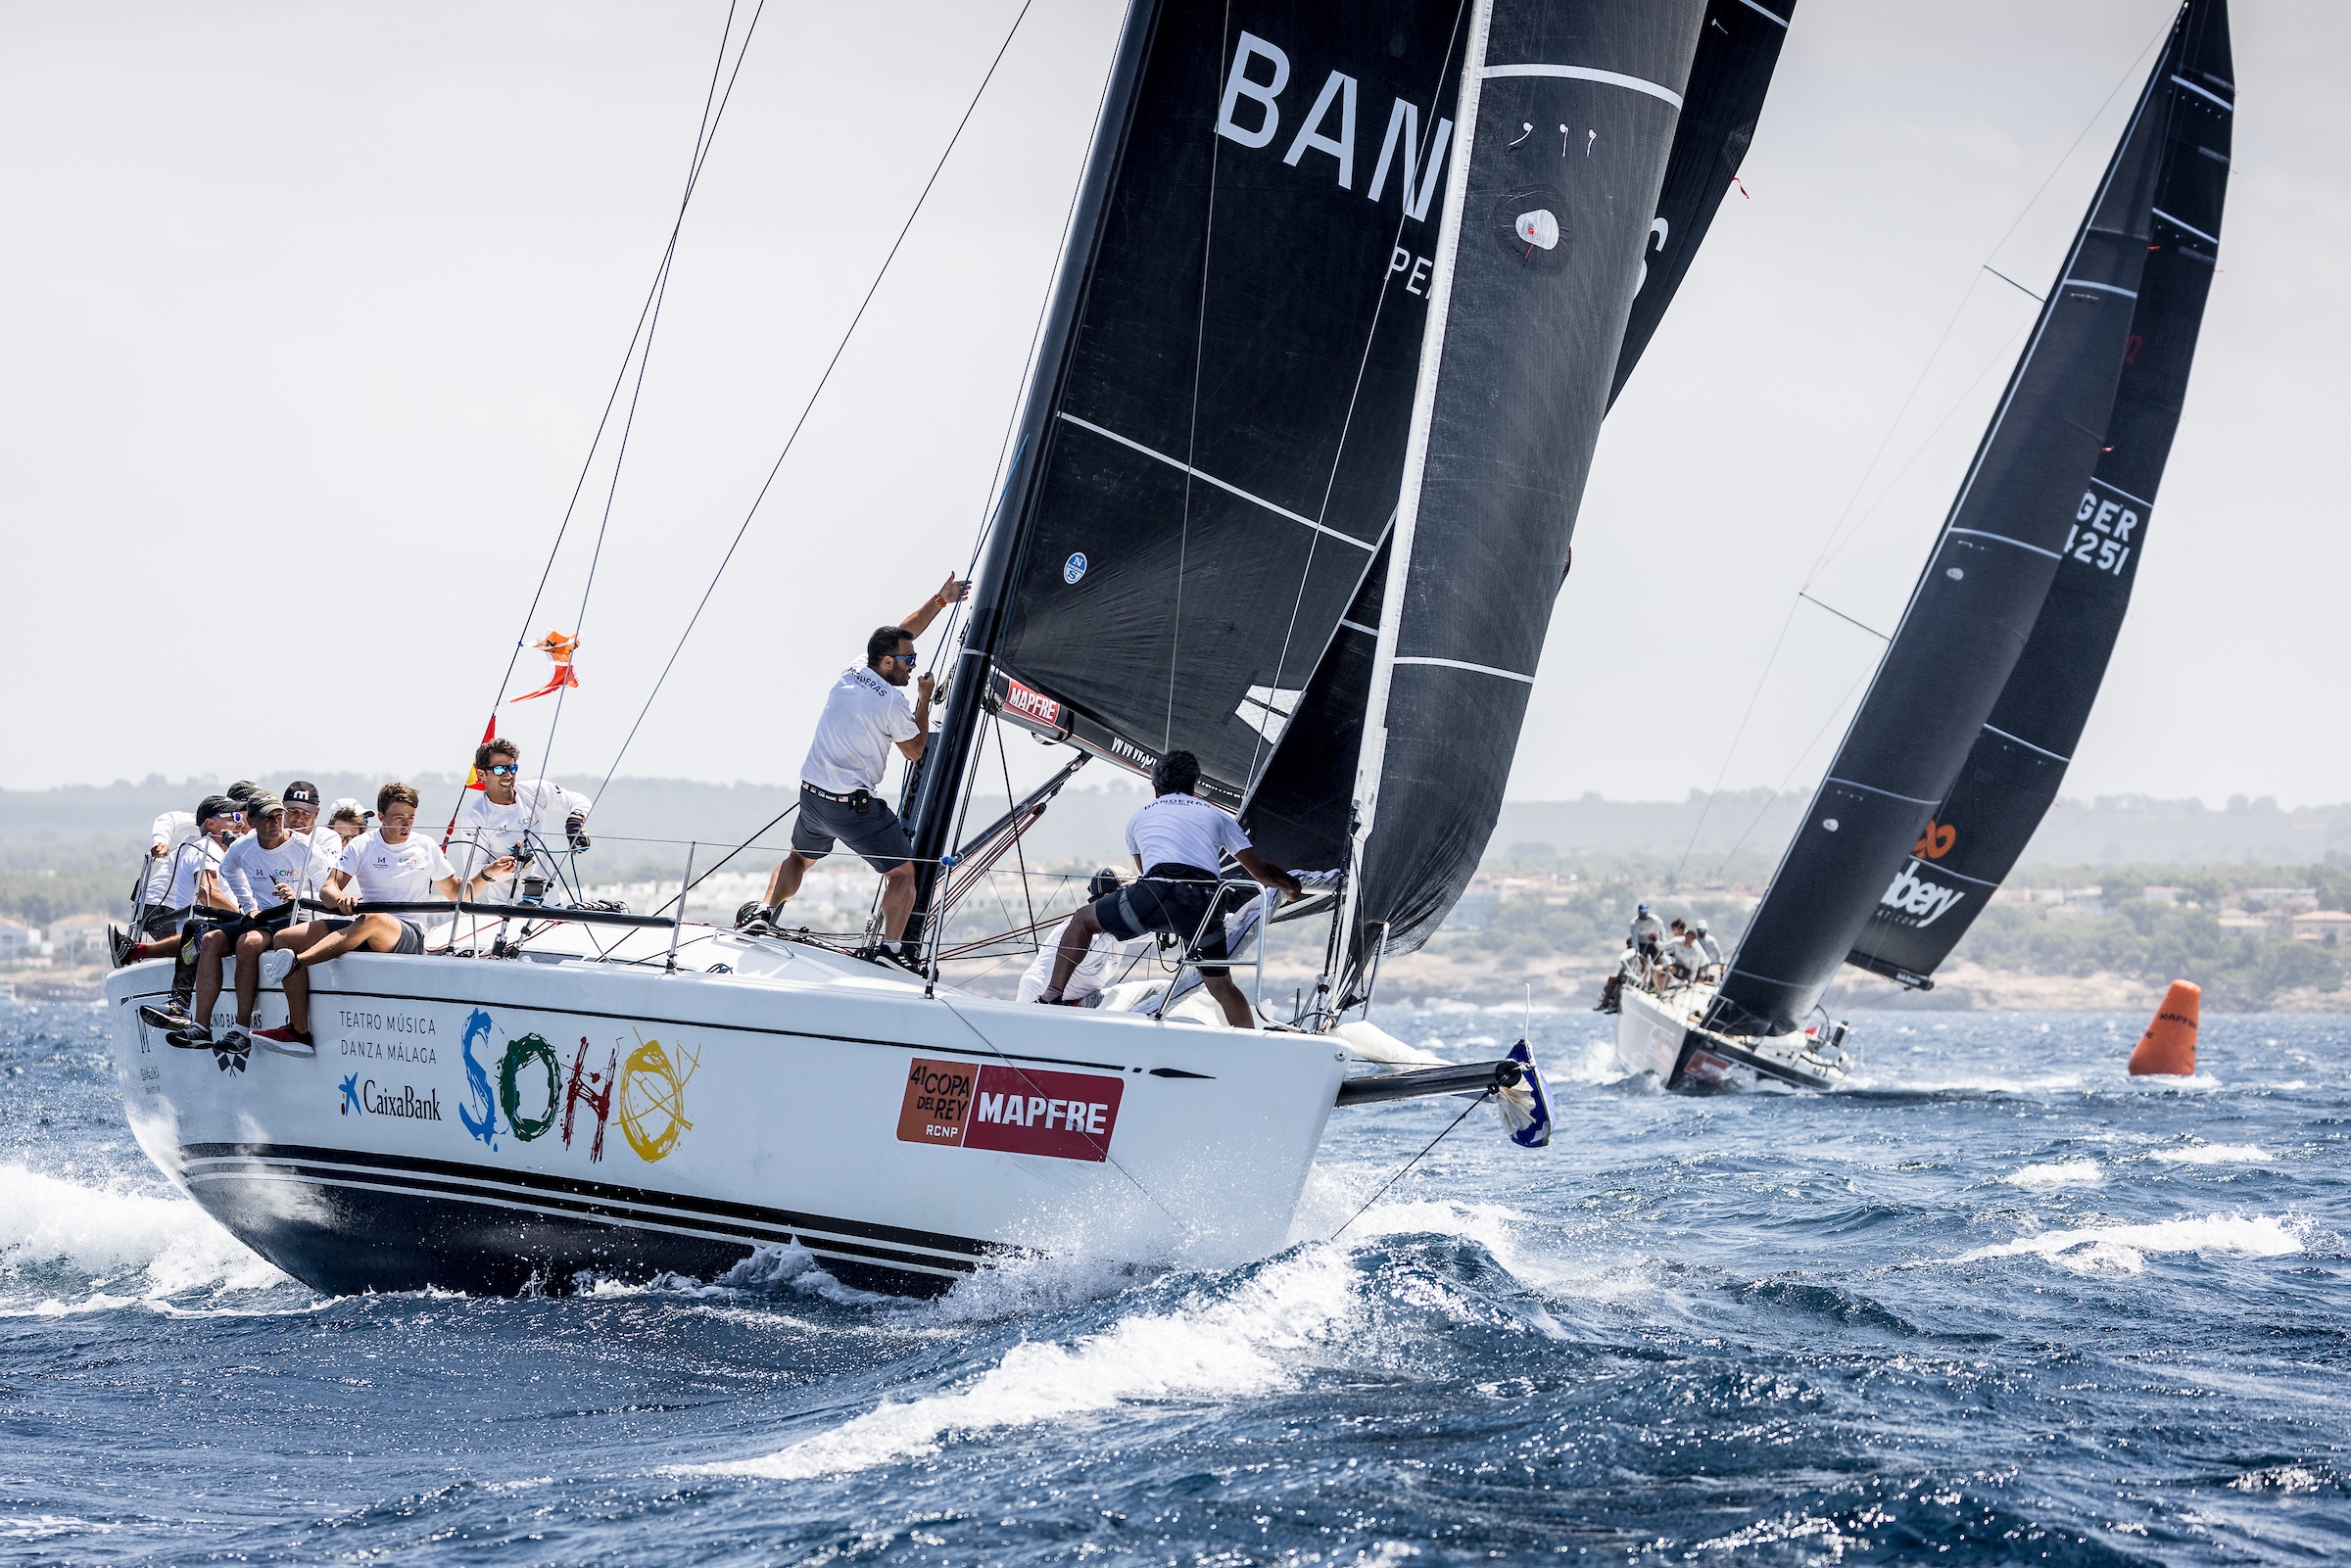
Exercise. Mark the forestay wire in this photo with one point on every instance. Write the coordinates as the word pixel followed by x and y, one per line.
pixel 814 393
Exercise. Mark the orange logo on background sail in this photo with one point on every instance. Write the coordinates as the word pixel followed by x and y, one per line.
pixel 1936 842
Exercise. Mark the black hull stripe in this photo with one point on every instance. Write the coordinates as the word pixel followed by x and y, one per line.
pixel 560 1189
pixel 944 1267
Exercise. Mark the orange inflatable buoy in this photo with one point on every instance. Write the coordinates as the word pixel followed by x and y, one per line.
pixel 2169 1047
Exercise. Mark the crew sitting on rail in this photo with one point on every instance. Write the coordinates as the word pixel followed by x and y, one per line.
pixel 1684 954
pixel 1647 933
pixel 864 717
pixel 347 822
pixel 301 821
pixel 191 885
pixel 388 865
pixel 512 817
pixel 1177 839
pixel 1093 970
pixel 265 874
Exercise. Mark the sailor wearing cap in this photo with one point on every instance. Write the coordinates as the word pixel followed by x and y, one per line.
pixel 1706 944
pixel 512 816
pixel 1647 933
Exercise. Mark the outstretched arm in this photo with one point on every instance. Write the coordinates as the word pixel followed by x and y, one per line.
pixel 920 621
pixel 1265 872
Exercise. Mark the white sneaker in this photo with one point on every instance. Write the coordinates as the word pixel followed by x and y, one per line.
pixel 276 964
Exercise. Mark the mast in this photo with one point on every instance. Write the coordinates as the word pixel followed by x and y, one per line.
pixel 1373 753
pixel 950 754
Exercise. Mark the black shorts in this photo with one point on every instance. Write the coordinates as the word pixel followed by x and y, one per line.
pixel 875 834
pixel 1177 907
pixel 411 935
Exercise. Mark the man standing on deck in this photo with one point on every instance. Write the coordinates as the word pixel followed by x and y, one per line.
pixel 1649 934
pixel 841 780
pixel 1176 840
pixel 512 817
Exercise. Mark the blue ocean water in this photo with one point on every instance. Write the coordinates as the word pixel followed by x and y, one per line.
pixel 1995 1304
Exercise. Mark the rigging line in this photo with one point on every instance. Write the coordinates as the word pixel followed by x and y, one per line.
pixel 1282 662
pixel 809 407
pixel 704 134
pixel 1408 1164
pixel 1191 439
pixel 680 900
pixel 1840 615
pixel 1737 735
pixel 1792 770
pixel 2012 283
pixel 1020 855
pixel 2023 213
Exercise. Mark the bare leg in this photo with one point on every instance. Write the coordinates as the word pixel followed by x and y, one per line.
pixel 1229 997
pixel 249 948
pixel 783 883
pixel 380 933
pixel 897 900
pixel 1075 938
pixel 208 975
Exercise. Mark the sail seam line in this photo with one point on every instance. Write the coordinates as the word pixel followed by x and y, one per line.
pixel 1178 462
pixel 1462 664
pixel 2209 239
pixel 1978 533
pixel 2027 744
pixel 1888 794
pixel 2201 93
pixel 1357 626
pixel 1760 12
pixel 2120 491
pixel 1944 871
pixel 2103 288
pixel 1606 78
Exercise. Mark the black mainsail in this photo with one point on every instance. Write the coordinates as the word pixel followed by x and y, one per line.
pixel 1983 689
pixel 2012 772
pixel 1303 806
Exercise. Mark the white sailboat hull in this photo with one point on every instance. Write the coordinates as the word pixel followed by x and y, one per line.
pixel 490 1125
pixel 1661 1035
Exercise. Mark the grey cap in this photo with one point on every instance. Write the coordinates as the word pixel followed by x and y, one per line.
pixel 261 803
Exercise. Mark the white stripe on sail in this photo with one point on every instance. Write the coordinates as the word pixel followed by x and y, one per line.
pixel 2209 239
pixel 1608 79
pixel 1475 669
pixel 1211 479
pixel 1978 533
pixel 2201 93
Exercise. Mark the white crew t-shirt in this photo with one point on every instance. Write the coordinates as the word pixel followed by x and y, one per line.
pixel 198 854
pixel 1090 975
pixel 171 830
pixel 486 829
pixel 864 718
pixel 251 873
pixel 1184 830
pixel 394 874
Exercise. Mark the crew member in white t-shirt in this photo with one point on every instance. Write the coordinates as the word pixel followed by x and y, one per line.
pixel 390 866
pixel 264 873
pixel 840 782
pixel 1092 971
pixel 1177 841
pixel 513 817
pixel 194 886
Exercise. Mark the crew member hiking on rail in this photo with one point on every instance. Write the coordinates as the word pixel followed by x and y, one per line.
pixel 864 717
pixel 1177 839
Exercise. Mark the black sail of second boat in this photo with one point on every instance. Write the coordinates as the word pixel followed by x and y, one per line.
pixel 1985 685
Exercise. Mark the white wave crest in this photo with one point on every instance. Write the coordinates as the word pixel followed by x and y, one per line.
pixel 1210 1349
pixel 2124 1249
pixel 2213 1153
pixel 110 1248
pixel 2057 1173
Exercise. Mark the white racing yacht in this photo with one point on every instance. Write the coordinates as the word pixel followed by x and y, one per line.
pixel 1298 502
pixel 1967 729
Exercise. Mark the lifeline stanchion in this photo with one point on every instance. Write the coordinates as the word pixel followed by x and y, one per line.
pixel 672 967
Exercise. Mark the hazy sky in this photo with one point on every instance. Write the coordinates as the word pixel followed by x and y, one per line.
pixel 307 313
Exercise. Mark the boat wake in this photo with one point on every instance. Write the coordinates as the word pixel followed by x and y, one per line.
pixel 65 1247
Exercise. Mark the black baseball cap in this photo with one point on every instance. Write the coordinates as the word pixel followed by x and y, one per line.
pixel 241 788
pixel 259 804
pixel 216 806
pixel 302 793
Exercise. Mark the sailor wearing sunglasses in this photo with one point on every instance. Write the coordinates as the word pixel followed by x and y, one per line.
pixel 513 816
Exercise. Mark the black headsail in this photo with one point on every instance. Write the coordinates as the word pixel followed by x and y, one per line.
pixel 1300 809
pixel 1215 433
pixel 1568 112
pixel 1975 608
pixel 2013 769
